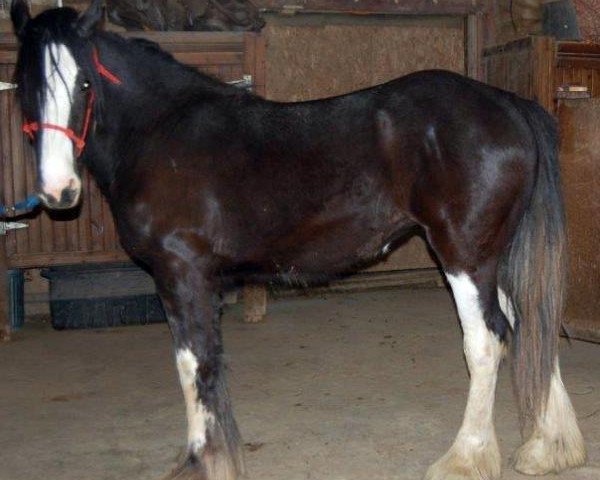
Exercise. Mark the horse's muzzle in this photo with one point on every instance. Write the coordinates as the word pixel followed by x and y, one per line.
pixel 62 199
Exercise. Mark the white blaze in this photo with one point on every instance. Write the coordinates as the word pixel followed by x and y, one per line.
pixel 57 162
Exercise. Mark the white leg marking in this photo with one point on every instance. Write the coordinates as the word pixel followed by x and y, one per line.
pixel 507 307
pixel 199 418
pixel 556 442
pixel 57 162
pixel 474 454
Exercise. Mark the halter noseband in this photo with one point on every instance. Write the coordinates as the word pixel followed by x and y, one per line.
pixel 30 128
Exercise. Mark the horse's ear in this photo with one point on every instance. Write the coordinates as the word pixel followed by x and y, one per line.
pixel 19 14
pixel 88 20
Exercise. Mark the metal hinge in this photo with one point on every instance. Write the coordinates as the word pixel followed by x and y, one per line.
pixel 244 82
pixel 7 86
pixel 6 226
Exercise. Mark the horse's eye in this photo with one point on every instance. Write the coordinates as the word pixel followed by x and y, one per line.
pixel 85 86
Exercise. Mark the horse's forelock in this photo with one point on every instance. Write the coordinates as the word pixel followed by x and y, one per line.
pixel 56 26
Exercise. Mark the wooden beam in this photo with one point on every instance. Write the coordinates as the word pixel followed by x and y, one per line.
pixel 405 7
pixel 474 40
pixel 4 302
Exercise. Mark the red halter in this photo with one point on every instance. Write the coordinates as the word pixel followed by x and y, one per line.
pixel 30 128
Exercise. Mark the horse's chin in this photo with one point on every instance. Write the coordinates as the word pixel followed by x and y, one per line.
pixel 51 203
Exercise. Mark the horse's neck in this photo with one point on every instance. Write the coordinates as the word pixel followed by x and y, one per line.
pixel 152 86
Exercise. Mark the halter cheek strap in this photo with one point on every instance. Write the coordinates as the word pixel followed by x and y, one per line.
pixel 30 128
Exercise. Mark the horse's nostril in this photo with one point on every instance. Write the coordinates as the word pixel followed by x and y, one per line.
pixel 68 196
pixel 48 199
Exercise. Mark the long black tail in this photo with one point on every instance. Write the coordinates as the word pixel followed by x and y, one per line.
pixel 533 272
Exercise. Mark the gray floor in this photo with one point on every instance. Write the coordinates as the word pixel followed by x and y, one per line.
pixel 348 387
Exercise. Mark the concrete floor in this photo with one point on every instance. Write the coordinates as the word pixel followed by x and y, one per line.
pixel 349 387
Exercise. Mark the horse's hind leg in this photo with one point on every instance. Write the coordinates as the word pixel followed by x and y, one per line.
pixel 474 453
pixel 193 311
pixel 556 442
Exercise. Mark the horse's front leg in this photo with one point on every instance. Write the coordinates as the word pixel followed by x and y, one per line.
pixel 193 311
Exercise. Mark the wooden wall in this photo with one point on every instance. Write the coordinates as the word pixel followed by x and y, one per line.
pixel 525 66
pixel 317 56
pixel 580 168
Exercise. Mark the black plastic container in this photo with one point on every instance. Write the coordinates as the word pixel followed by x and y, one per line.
pixel 102 295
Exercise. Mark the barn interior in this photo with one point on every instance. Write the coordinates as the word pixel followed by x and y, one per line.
pixel 364 378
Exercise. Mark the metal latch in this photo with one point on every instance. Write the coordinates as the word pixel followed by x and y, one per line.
pixel 291 9
pixel 6 226
pixel 7 86
pixel 244 82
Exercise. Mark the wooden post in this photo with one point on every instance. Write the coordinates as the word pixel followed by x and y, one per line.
pixel 255 303
pixel 4 301
pixel 474 62
pixel 255 296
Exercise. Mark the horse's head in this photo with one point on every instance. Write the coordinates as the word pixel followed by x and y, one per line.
pixel 55 91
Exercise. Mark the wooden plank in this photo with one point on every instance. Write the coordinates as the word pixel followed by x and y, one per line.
pixel 474 46
pixel 4 160
pixel 4 299
pixel 216 58
pixel 405 7
pixel 84 224
pixel 508 66
pixel 37 260
pixel 542 73
pixel 260 81
pixel 254 60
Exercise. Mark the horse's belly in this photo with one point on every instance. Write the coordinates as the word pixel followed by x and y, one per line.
pixel 340 248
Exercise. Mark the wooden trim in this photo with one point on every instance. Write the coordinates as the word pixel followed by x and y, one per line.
pixel 362 281
pixel 518 45
pixel 4 301
pixel 542 72
pixel 405 7
pixel 36 260
pixel 201 46
pixel 578 55
pixel 254 61
pixel 474 46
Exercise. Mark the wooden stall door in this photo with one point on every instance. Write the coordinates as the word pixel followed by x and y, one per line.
pixel 580 167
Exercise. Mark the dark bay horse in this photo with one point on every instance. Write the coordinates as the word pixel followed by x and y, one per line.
pixel 211 185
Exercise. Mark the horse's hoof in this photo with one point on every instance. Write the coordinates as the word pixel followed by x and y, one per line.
pixel 483 464
pixel 207 466
pixel 540 455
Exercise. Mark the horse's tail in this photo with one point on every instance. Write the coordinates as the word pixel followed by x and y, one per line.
pixel 532 274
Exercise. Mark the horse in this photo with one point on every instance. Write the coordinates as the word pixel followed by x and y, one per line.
pixel 211 186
